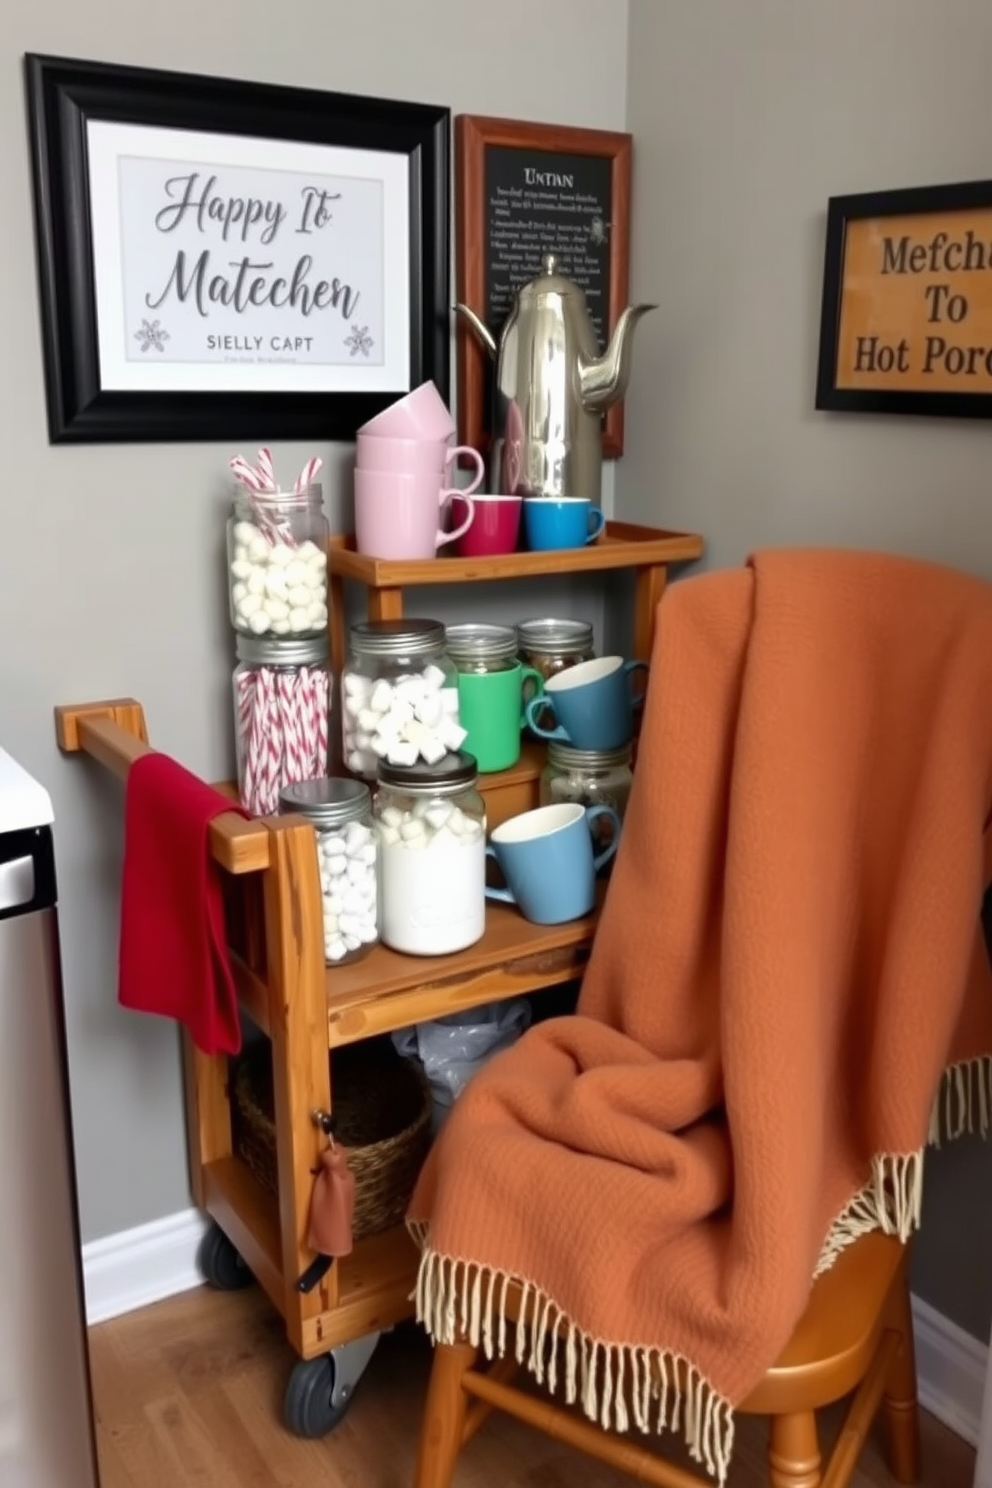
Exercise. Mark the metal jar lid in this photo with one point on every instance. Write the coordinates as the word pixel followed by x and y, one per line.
pixel 277 651
pixel 397 637
pixel 454 772
pixel 568 758
pixel 554 637
pixel 327 803
pixel 481 642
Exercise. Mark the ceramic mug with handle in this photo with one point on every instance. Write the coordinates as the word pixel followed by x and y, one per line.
pixel 398 515
pixel 546 856
pixel 591 705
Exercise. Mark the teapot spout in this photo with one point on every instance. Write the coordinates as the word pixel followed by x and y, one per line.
pixel 603 380
pixel 481 330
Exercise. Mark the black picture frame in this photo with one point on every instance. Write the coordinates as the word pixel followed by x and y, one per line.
pixel 64 94
pixel 908 394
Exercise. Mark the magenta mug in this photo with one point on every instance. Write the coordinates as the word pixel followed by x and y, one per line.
pixel 414 456
pixel 398 515
pixel 494 529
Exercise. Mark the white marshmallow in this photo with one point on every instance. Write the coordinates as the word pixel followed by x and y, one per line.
pixel 402 754
pixel 259 622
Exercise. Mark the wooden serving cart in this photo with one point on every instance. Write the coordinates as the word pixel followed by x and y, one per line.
pixel 306 1009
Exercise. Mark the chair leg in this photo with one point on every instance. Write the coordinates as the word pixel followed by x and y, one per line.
pixel 444 1415
pixel 794 1451
pixel 902 1417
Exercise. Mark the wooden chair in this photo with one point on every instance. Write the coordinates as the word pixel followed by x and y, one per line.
pixel 856 1335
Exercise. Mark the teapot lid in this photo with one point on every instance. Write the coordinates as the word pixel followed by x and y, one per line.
pixel 549 280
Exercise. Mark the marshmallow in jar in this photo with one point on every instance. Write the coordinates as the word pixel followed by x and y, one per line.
pixel 341 813
pixel 399 696
pixel 431 824
pixel 277 563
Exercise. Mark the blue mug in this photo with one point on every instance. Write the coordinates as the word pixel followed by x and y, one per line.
pixel 567 523
pixel 547 859
pixel 592 704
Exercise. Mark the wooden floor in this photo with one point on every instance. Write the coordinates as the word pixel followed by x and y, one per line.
pixel 189 1393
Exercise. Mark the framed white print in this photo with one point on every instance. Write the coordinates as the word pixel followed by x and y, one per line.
pixel 220 259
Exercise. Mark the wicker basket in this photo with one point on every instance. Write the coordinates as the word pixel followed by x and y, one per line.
pixel 382 1112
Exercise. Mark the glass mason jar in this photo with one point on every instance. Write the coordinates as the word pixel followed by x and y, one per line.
pixel 431 822
pixel 552 645
pixel 492 687
pixel 341 813
pixel 282 705
pixel 589 777
pixel 277 563
pixel 399 696
pixel 479 649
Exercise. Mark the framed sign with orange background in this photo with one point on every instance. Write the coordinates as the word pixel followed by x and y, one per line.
pixel 906 325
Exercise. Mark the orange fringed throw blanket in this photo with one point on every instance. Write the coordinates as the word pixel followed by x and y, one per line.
pixel 788 963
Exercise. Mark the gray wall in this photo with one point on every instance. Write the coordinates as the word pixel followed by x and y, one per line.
pixel 111 576
pixel 746 118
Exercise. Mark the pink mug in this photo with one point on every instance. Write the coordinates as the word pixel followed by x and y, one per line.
pixel 398 515
pixel 413 456
pixel 421 414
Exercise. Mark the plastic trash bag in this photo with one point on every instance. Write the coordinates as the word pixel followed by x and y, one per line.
pixel 451 1050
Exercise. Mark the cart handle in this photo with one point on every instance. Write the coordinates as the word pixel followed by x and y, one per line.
pixel 114 733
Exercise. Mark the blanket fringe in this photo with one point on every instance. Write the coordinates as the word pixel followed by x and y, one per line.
pixel 964 1102
pixel 615 1383
pixel 618 1383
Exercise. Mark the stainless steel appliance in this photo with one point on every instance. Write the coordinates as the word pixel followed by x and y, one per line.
pixel 551 388
pixel 46 1422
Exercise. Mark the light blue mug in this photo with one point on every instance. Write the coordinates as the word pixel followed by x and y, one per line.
pixel 570 522
pixel 547 859
pixel 592 704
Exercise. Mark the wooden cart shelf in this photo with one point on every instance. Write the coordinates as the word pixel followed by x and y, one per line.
pixel 305 1008
pixel 622 545
pixel 645 551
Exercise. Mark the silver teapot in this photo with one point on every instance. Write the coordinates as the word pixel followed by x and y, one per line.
pixel 551 388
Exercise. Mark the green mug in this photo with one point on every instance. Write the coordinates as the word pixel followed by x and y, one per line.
pixel 491 708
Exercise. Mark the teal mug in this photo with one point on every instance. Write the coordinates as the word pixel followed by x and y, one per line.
pixel 547 859
pixel 592 704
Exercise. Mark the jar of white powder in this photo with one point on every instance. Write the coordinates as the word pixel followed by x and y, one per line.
pixel 431 823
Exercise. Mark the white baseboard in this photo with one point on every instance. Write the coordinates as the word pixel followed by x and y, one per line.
pixel 950 1370
pixel 158 1260
pixel 137 1267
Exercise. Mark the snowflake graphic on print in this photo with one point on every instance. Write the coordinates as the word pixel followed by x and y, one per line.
pixel 359 341
pixel 152 335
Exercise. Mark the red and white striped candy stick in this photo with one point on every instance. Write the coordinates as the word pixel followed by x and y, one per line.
pixel 293 761
pixel 308 475
pixel 246 695
pixel 305 694
pixel 266 470
pixel 275 739
pixel 323 718
pixel 254 743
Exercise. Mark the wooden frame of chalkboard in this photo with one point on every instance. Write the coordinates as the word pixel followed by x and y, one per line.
pixel 523 190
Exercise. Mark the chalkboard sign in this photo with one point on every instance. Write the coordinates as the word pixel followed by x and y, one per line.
pixel 525 190
pixel 539 202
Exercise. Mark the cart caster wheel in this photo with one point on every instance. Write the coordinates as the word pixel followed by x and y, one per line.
pixel 308 1407
pixel 220 1263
